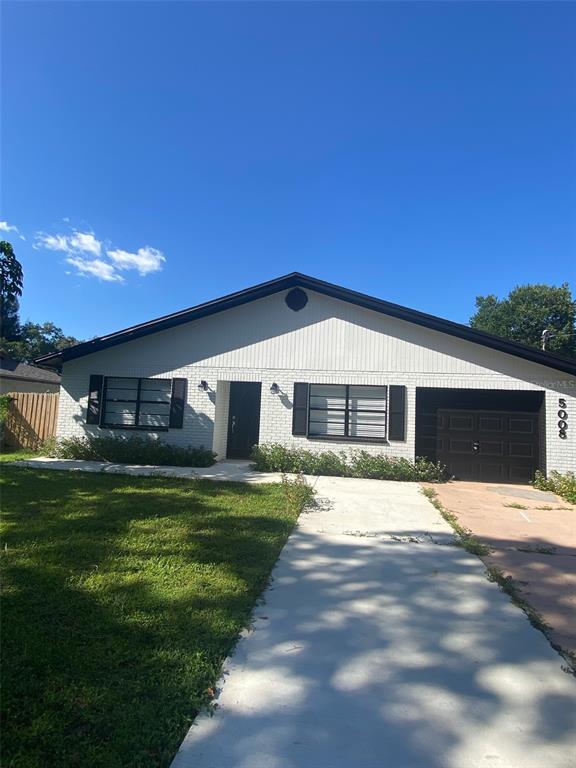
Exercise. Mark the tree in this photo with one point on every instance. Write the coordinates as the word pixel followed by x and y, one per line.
pixel 526 312
pixel 11 279
pixel 36 340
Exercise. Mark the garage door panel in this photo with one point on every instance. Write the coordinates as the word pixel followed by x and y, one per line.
pixel 463 445
pixel 521 426
pixel 491 423
pixel 492 472
pixel 520 474
pixel 495 447
pixel 464 423
pixel 461 467
pixel 521 450
pixel 491 447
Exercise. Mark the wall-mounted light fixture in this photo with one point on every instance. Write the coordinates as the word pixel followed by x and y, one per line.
pixel 203 386
pixel 274 389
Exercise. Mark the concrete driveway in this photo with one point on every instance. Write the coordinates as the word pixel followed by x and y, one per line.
pixel 379 644
pixel 532 537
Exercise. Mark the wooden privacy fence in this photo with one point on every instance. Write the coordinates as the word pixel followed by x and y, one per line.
pixel 31 419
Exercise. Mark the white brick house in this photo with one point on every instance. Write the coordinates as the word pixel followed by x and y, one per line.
pixel 302 362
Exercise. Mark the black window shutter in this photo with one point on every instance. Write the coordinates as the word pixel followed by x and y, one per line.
pixel 397 418
pixel 177 403
pixel 94 399
pixel 300 409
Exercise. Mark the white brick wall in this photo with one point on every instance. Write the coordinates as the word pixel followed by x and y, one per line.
pixel 328 342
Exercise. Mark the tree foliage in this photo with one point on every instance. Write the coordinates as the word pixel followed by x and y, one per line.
pixel 526 312
pixel 11 279
pixel 35 340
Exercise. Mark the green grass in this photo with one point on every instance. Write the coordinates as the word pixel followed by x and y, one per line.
pixel 15 454
pixel 121 598
pixel 465 536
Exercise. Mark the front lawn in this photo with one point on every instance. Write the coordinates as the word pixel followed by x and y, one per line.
pixel 17 454
pixel 121 598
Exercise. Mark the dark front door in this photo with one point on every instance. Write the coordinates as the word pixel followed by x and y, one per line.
pixel 243 418
pixel 488 446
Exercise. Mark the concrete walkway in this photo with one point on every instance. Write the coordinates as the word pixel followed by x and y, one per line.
pixel 233 471
pixel 379 645
pixel 378 648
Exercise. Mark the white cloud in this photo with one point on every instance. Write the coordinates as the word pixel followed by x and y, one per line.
pixel 5 227
pixel 77 242
pixel 86 242
pixel 95 268
pixel 144 261
pixel 85 253
pixel 51 242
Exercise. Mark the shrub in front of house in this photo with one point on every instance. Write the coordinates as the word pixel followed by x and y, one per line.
pixel 273 457
pixel 129 450
pixel 379 467
pixel 562 485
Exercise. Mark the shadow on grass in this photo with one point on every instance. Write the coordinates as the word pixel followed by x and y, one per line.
pixel 121 599
pixel 123 596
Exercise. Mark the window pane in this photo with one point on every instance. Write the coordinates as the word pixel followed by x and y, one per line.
pixel 121 389
pixel 122 383
pixel 367 398
pixel 364 417
pixel 326 423
pixel 151 408
pixel 368 430
pixel 157 390
pixel 364 424
pixel 154 415
pixel 327 396
pixel 120 413
pixel 153 419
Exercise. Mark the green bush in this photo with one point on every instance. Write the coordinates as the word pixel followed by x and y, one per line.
pixel 563 485
pixel 297 492
pixel 379 467
pixel 273 457
pixel 129 450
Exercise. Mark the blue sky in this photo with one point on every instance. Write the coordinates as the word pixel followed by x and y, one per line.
pixel 156 155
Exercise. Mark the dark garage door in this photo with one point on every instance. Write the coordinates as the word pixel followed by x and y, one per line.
pixel 488 446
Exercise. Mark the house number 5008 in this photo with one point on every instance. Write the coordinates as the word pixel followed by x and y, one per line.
pixel 563 416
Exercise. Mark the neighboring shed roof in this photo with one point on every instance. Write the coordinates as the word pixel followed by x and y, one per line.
pixel 12 369
pixel 296 279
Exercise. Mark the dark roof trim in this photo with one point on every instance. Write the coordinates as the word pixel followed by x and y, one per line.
pixel 292 280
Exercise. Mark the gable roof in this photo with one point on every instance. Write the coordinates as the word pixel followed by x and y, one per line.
pixel 12 369
pixel 297 279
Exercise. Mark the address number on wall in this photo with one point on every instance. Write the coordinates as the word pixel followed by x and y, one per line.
pixel 563 416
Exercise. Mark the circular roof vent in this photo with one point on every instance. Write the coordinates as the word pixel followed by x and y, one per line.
pixel 296 299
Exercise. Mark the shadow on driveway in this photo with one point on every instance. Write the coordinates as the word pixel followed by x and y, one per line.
pixel 532 535
pixel 372 653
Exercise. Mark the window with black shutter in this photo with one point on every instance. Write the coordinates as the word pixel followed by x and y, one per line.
pixel 135 403
pixel 348 412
